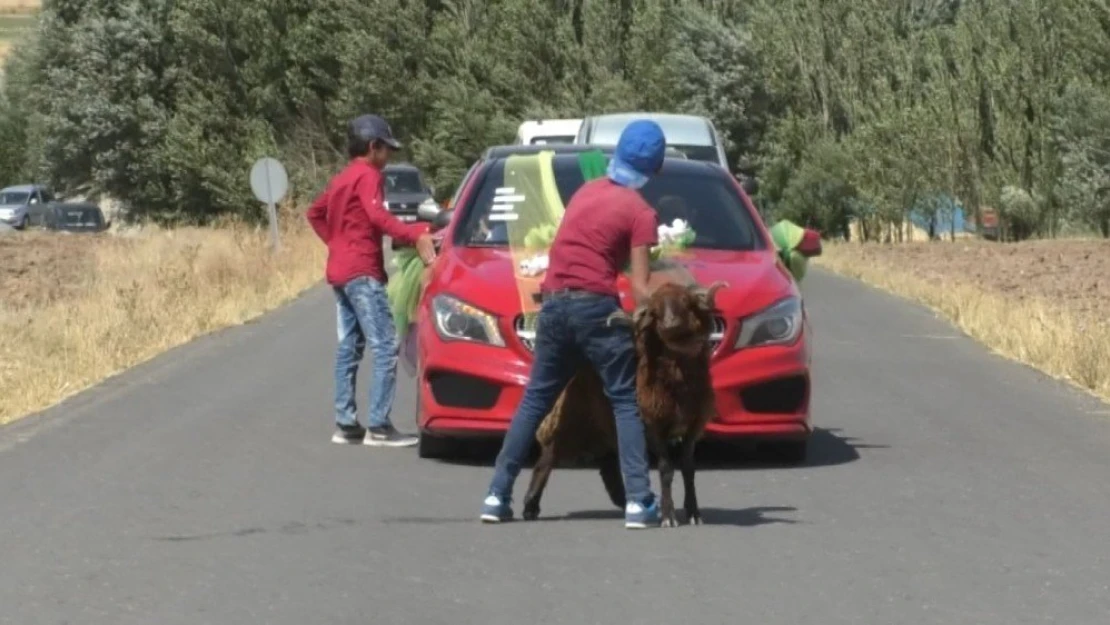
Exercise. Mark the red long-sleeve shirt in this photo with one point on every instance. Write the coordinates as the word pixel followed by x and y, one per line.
pixel 351 219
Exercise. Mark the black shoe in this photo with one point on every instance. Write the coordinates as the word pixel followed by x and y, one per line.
pixel 349 435
pixel 388 437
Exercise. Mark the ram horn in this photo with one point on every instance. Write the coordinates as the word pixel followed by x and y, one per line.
pixel 708 295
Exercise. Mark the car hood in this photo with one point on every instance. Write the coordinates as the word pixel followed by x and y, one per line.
pixel 484 277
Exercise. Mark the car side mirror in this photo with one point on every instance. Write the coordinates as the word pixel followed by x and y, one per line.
pixel 810 245
pixel 749 184
pixel 428 210
pixel 442 220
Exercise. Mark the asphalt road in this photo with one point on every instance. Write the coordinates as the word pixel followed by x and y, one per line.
pixel 948 486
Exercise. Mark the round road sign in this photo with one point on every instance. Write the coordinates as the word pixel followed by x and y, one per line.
pixel 268 180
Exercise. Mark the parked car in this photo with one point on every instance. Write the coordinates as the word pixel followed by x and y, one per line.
pixel 75 217
pixel 405 190
pixel 547 131
pixel 693 135
pixel 24 205
pixel 471 344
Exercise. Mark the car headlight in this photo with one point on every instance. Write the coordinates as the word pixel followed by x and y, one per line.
pixel 458 321
pixel 6 213
pixel 778 324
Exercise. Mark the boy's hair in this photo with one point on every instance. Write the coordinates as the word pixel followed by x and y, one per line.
pixel 357 146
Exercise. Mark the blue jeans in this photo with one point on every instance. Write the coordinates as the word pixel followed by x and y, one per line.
pixel 572 330
pixel 363 315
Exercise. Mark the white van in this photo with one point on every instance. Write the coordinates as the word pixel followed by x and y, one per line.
pixel 691 134
pixel 547 131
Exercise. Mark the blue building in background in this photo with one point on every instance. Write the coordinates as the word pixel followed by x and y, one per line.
pixel 942 213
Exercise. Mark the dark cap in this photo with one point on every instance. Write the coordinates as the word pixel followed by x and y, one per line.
pixel 371 127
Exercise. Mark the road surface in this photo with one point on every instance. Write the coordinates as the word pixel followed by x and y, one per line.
pixel 948 486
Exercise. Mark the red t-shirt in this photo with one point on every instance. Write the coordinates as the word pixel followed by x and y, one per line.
pixel 602 223
pixel 350 217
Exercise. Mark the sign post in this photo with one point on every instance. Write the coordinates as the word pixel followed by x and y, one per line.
pixel 270 183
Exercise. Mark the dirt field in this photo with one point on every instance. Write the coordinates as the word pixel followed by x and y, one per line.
pixel 19 6
pixel 1074 275
pixel 1046 304
pixel 40 268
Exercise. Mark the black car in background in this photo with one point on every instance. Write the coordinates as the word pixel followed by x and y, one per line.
pixel 75 217
pixel 405 190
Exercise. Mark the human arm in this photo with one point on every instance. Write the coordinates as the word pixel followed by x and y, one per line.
pixel 640 270
pixel 645 234
pixel 369 192
pixel 317 216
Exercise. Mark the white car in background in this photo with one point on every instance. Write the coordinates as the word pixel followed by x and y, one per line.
pixel 547 131
pixel 692 135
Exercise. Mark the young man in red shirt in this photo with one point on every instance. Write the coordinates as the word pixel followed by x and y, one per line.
pixel 606 224
pixel 350 217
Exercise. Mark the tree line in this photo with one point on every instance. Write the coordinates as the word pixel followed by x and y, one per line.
pixel 867 110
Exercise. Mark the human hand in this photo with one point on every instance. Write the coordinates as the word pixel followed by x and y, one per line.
pixel 426 248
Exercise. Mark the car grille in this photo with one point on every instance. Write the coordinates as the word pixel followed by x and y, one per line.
pixel 402 207
pixel 525 327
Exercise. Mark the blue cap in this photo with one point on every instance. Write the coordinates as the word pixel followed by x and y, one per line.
pixel 639 154
pixel 371 127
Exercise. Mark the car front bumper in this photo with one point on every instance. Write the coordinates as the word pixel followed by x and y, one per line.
pixel 473 390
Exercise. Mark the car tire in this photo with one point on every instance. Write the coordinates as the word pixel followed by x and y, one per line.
pixel 790 453
pixel 428 445
pixel 431 446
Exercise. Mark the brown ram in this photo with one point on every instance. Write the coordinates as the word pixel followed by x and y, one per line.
pixel 674 393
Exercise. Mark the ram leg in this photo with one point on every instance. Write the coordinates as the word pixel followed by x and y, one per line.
pixel 666 477
pixel 610 469
pixel 693 514
pixel 540 472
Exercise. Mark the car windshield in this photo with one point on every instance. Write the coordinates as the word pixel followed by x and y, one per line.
pixel 679 130
pixel 553 139
pixel 705 153
pixel 504 207
pixel 403 181
pixel 13 198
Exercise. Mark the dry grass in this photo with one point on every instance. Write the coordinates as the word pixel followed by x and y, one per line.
pixel 135 297
pixel 1044 331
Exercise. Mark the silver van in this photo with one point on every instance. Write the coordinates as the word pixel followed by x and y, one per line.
pixel 693 135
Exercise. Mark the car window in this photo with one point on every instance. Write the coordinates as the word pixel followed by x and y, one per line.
pixel 13 198
pixel 705 199
pixel 707 153
pixel 552 139
pixel 678 130
pixel 403 181
pixel 462 184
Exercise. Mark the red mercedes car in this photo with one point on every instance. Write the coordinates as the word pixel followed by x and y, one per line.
pixel 470 348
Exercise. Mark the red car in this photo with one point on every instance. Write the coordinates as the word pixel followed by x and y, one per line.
pixel 470 348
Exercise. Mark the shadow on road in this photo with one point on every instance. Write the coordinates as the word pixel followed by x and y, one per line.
pixel 744 517
pixel 827 447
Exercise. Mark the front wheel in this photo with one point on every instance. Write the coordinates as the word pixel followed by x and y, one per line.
pixel 434 447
